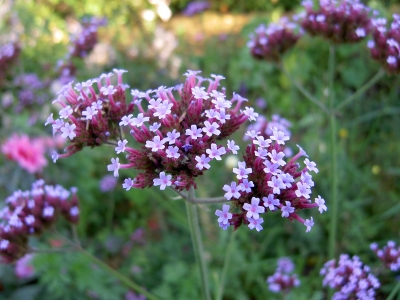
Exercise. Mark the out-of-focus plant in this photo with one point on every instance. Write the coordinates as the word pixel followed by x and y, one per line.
pixel 339 23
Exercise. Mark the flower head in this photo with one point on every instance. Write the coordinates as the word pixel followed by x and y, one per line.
pixel 349 278
pixel 389 255
pixel 385 44
pixel 92 118
pixel 30 213
pixel 268 182
pixel 272 41
pixel 282 281
pixel 344 21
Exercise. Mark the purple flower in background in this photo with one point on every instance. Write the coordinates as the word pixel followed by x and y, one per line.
pixel 24 268
pixel 107 183
pixel 349 278
pixel 389 255
pixel 9 53
pixel 196 7
pixel 385 44
pixel 30 213
pixel 339 21
pixel 281 280
pixel 130 295
pixel 272 41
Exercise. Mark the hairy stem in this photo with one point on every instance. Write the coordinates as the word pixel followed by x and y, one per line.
pixel 195 233
pixel 209 200
pixel 225 268
pixel 333 156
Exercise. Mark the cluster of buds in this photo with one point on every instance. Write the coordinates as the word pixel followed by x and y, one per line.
pixel 270 43
pixel 341 21
pixel 31 90
pixel 87 39
pixel 385 43
pixel 30 213
pixel 89 118
pixel 179 134
pixel 267 183
pixel 8 55
pixel 349 278
pixel 282 281
pixel 389 255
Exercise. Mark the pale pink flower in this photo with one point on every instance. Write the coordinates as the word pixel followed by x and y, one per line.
pixel 27 152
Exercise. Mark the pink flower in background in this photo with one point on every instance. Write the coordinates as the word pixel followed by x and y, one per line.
pixel 24 268
pixel 27 152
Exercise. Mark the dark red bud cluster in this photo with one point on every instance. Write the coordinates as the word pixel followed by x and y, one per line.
pixel 270 43
pixel 343 21
pixel 385 44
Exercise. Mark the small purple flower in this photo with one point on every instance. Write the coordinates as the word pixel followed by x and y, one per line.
pixel 114 166
pixel 253 209
pixel 163 181
pixel 256 223
pixel 232 190
pixel 287 209
pixel 224 214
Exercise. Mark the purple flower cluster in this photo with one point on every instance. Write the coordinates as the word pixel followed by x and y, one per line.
pixel 196 7
pixel 385 43
pixel 179 132
pixel 30 213
pixel 389 255
pixel 9 53
pixel 87 39
pixel 31 90
pixel 267 183
pixel 282 281
pixel 350 279
pixel 341 21
pixel 270 43
pixel 90 118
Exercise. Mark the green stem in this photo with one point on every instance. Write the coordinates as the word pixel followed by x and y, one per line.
pixel 302 89
pixel 200 200
pixel 361 90
pixel 61 250
pixel 209 200
pixel 128 282
pixel 394 291
pixel 195 233
pixel 75 235
pixel 333 156
pixel 110 216
pixel 225 268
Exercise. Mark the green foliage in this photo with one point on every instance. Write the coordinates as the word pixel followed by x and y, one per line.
pixel 72 276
